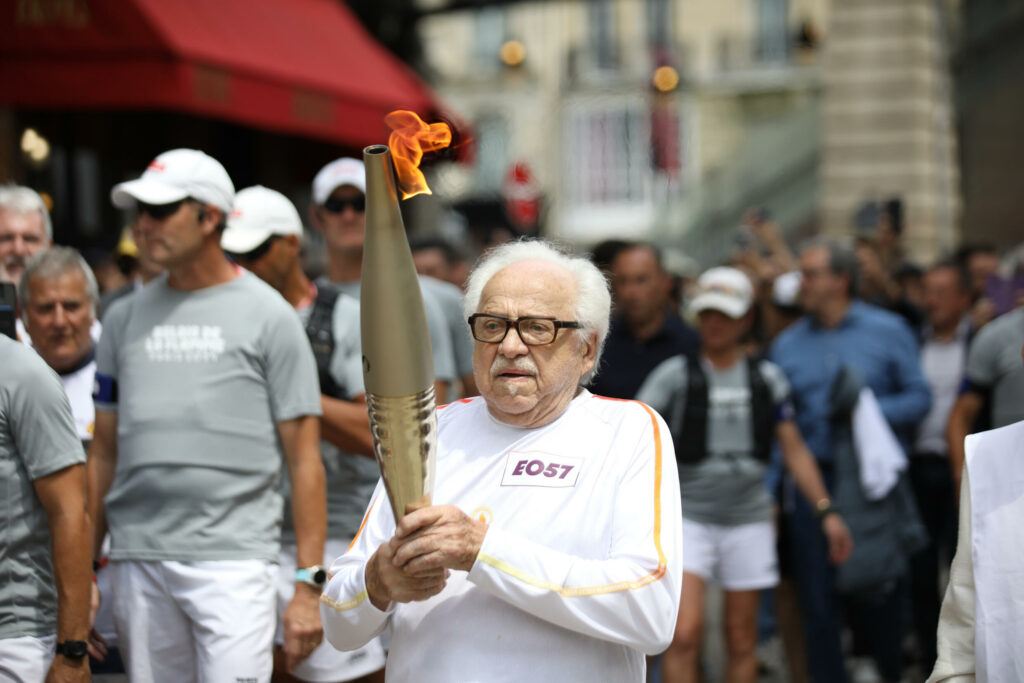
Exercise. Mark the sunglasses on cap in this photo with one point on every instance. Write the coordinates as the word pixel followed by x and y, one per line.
pixel 158 211
pixel 338 204
pixel 255 254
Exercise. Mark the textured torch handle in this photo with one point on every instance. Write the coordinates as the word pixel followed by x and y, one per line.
pixel 404 443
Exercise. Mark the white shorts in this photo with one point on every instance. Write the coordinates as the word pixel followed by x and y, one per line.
pixel 325 664
pixel 195 621
pixel 26 659
pixel 740 558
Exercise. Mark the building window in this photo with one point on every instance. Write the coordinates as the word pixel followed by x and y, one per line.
pixel 490 33
pixel 602 33
pixel 492 159
pixel 617 151
pixel 659 25
pixel 771 44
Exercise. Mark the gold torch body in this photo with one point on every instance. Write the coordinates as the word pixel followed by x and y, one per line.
pixel 398 367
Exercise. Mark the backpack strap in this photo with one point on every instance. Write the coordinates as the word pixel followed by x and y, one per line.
pixel 762 409
pixel 320 330
pixel 691 441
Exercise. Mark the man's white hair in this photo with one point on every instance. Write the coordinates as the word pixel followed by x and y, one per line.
pixel 52 263
pixel 593 304
pixel 18 199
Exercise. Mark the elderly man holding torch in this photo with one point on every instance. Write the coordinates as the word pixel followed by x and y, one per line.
pixel 555 535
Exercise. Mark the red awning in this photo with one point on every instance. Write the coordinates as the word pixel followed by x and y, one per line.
pixel 303 67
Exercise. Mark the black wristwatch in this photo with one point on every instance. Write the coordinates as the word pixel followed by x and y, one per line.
pixel 823 508
pixel 73 649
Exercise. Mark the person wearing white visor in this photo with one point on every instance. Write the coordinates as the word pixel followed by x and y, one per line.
pixel 725 411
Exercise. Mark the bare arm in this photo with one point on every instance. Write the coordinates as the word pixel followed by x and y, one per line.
pixel 800 463
pixel 804 470
pixel 99 473
pixel 768 234
pixel 300 438
pixel 63 496
pixel 346 424
pixel 440 392
pixel 961 420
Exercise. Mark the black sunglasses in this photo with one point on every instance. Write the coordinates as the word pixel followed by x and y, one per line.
pixel 338 204
pixel 255 254
pixel 159 212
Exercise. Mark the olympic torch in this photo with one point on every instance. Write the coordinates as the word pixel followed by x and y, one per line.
pixel 398 367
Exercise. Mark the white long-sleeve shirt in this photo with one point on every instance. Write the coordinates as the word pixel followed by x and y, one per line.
pixel 955 661
pixel 580 571
pixel 981 625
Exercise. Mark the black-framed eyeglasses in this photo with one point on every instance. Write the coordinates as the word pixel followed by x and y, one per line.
pixel 534 330
pixel 256 254
pixel 339 204
pixel 159 212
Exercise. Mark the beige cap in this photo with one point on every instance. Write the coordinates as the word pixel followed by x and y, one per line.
pixel 723 289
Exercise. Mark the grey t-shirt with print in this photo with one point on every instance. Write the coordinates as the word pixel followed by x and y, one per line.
pixel 37 438
pixel 994 364
pixel 351 478
pixel 727 487
pixel 200 380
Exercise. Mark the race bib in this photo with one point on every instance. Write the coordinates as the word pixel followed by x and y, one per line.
pixel 537 468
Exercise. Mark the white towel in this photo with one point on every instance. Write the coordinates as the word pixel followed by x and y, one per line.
pixel 879 453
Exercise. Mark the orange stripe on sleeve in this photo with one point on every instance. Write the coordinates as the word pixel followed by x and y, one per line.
pixel 461 400
pixel 366 518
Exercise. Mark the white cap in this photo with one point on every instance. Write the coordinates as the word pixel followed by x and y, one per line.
pixel 258 213
pixel 786 289
pixel 344 171
pixel 175 175
pixel 723 289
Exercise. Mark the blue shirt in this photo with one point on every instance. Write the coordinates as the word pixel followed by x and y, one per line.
pixel 627 361
pixel 878 345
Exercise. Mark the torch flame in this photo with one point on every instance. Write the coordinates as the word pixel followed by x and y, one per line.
pixel 411 137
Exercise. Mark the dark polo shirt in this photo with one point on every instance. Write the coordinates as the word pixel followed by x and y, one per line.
pixel 627 361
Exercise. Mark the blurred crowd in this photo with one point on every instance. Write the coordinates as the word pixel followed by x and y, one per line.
pixel 938 345
pixel 778 371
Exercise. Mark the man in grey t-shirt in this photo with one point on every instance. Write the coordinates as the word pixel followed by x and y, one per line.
pixel 433 259
pixel 264 234
pixel 449 299
pixel 59 297
pixel 339 213
pixel 725 412
pixel 206 386
pixel 44 593
pixel 993 373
